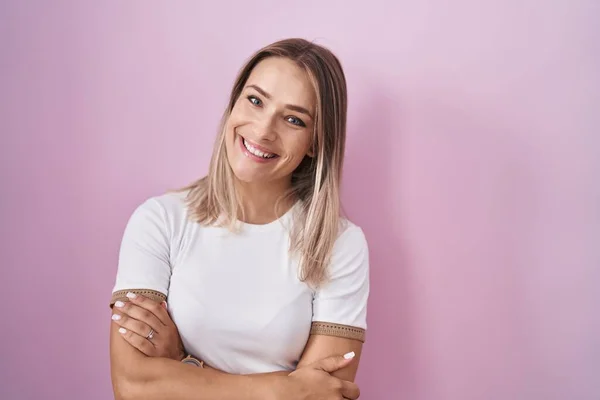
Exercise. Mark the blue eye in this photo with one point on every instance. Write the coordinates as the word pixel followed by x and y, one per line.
pixel 295 121
pixel 254 100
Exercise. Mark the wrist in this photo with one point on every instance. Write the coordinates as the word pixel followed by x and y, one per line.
pixel 269 387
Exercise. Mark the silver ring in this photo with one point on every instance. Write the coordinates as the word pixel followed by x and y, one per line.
pixel 150 335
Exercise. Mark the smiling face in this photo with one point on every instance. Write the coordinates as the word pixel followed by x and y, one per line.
pixel 270 128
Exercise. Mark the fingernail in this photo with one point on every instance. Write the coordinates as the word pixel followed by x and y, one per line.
pixel 131 295
pixel 348 356
pixel 122 330
pixel 116 317
pixel 119 304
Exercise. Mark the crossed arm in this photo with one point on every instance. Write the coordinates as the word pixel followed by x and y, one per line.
pixel 135 375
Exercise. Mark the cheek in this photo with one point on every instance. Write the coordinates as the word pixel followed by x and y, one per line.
pixel 239 117
pixel 299 147
pixel 229 134
pixel 235 119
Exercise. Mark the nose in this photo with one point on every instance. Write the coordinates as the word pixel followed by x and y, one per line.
pixel 264 128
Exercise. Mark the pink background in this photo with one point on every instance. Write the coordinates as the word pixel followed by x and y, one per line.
pixel 473 130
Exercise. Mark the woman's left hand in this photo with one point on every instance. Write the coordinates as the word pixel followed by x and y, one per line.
pixel 147 326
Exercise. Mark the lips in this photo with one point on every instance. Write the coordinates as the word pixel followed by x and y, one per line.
pixel 257 151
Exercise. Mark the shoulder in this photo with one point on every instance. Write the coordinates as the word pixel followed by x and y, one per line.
pixel 350 237
pixel 168 206
pixel 350 234
pixel 163 215
pixel 350 254
pixel 170 202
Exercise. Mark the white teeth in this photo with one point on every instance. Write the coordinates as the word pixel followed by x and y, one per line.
pixel 256 152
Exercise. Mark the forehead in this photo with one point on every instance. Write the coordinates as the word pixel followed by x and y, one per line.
pixel 285 81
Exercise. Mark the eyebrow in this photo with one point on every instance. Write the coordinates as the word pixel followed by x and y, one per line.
pixel 290 106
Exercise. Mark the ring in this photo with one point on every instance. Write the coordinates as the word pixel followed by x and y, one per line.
pixel 150 335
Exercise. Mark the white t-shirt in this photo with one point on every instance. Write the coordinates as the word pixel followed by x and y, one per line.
pixel 236 297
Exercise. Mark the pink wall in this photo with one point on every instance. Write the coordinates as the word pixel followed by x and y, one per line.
pixel 473 129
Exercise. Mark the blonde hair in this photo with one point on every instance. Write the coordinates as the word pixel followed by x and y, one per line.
pixel 315 183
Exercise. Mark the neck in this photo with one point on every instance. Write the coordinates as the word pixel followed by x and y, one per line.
pixel 258 201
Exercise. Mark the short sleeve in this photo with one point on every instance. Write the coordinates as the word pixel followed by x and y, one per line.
pixel 340 305
pixel 144 266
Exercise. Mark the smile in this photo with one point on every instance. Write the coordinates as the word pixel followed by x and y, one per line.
pixel 255 151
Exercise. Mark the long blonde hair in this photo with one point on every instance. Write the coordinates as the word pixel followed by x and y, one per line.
pixel 316 181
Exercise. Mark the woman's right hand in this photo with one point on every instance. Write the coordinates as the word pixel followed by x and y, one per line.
pixel 314 382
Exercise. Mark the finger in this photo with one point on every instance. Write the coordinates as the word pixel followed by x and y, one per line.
pixel 350 390
pixel 132 324
pixel 333 363
pixel 140 343
pixel 152 306
pixel 141 314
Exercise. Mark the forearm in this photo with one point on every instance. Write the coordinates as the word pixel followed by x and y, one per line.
pixel 160 378
pixel 136 376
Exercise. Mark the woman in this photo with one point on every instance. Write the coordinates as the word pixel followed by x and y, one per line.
pixel 266 284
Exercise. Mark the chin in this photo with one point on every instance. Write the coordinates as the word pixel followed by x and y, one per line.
pixel 244 176
pixel 245 173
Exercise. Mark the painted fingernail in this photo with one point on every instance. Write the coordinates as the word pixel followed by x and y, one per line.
pixel 348 356
pixel 119 304
pixel 131 295
pixel 116 317
pixel 122 330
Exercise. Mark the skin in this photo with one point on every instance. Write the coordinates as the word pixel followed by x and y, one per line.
pixel 274 113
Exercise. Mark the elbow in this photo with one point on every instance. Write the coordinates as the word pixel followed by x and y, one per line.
pixel 137 382
pixel 125 388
